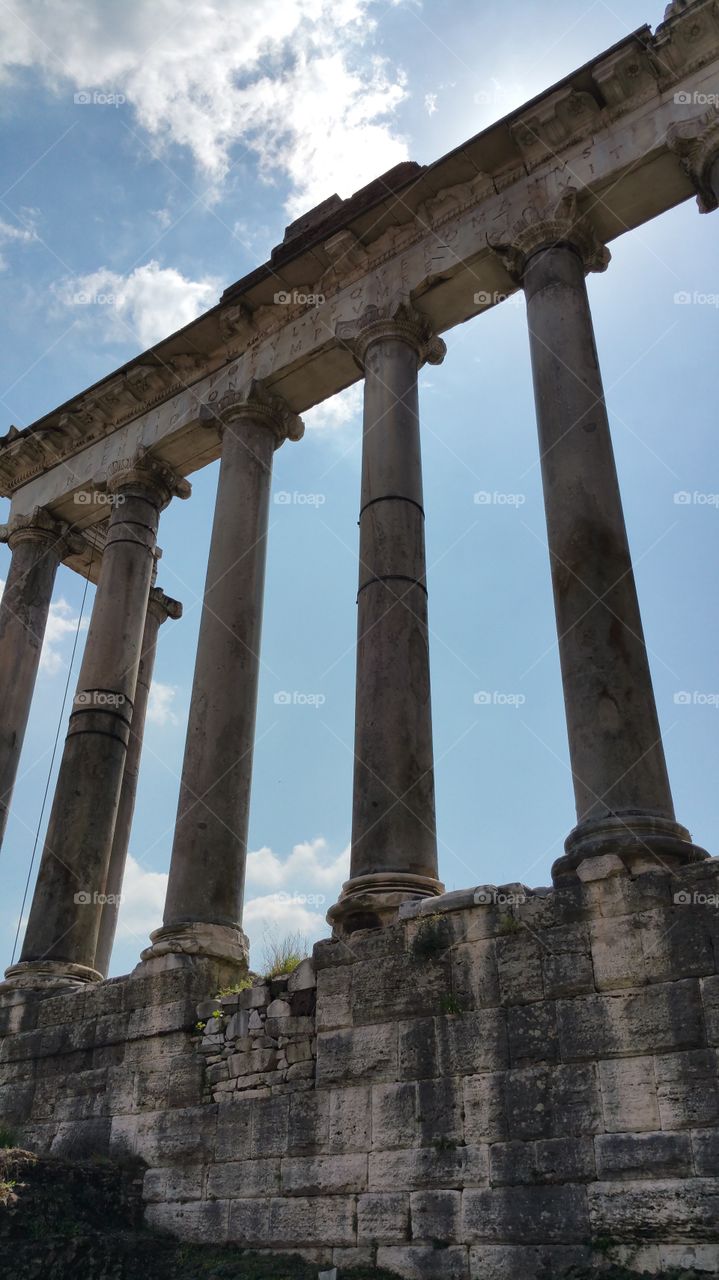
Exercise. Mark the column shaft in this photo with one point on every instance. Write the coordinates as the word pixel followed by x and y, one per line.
pixel 159 608
pixel 37 547
pixel 61 937
pixel 203 908
pixel 394 842
pixel 621 786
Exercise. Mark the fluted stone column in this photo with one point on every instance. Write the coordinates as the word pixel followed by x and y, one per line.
pixel 159 608
pixel 38 543
pixel 623 798
pixel 61 937
pixel 394 843
pixel 203 908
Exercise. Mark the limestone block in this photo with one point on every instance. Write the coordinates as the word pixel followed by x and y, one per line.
pixel 81 1139
pixel 422 1262
pixel 329 1220
pixel 547 1161
pixel 56 1010
pixel 256 1023
pixel 300 1071
pixel 617 952
pixel 278 1009
pixel 323 1175
pixel 243 1179
pixel 383 1217
pixel 440 1105
pixel 566 960
pixel 525 1215
pixel 199 1221
pixel 172 1183
pixel 401 986
pixel 418 1049
pixel 16 1102
pixel 394 1116
pixel 600 868
pixel 270 1126
pixel 655 1210
pixel 425 1167
pixel 367 1053
pixel 485 1118
pixel 472 1042
pixel 184 1135
pixel 156 1020
pixel 239 1025
pixel 705 1146
pixel 437 1216
pixel 475 978
pixel 248 1222
pixel 303 978
pixel 308 1123
pixel 696 1257
pixel 687 1089
pixel 299 1050
pixel 655 1019
pixel 629 1095
pixel 254 997
pixel 350 1119
pixel 643 1155
pixel 289 1026
pixel 710 997
pixel 676 942
pixel 525 1262
pixel 549 1102
pixel 233 1136
pixel 532 1033
pixel 519 961
pixel 333 998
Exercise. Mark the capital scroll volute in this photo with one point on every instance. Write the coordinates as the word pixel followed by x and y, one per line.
pixel 565 223
pixel 254 403
pixel 401 321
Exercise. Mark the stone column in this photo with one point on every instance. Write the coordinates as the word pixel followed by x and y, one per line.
pixel 203 909
pixel 38 543
pixel 61 937
pixel 394 843
pixel 696 142
pixel 159 608
pixel 623 799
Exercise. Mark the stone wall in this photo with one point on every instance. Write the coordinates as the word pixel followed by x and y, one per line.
pixel 503 1081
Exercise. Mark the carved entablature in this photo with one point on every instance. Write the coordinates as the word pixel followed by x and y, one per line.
pixel 688 39
pixel 236 324
pixel 452 201
pixel 696 142
pixel 628 76
pixel 554 124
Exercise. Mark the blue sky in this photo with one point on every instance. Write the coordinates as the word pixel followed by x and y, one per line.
pixel 209 128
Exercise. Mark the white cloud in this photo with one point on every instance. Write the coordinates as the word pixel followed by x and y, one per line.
pixel 308 867
pixel 148 304
pixel 10 234
pixel 336 412
pixel 159 704
pixel 294 82
pixel 143 901
pixel 430 103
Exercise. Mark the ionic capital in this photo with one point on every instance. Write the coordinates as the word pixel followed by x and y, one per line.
pixel 256 404
pixel 696 142
pixel 41 527
pixel 146 476
pixel 163 607
pixel 400 321
pixel 563 224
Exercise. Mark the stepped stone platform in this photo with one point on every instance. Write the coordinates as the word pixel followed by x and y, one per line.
pixel 504 1083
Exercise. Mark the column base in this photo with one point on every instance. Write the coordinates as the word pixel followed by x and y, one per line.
pixel 373 901
pixel 643 841
pixel 176 945
pixel 46 975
